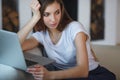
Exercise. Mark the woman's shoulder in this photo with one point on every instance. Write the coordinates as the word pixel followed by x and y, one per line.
pixel 74 25
pixel 39 33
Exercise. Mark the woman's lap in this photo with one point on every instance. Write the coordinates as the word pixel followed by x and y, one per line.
pixel 100 73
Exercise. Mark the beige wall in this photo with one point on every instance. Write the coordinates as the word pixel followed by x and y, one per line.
pixel 109 56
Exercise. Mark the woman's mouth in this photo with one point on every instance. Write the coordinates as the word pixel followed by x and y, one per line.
pixel 53 25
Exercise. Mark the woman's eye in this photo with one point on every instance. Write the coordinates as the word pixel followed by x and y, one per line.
pixel 46 14
pixel 57 12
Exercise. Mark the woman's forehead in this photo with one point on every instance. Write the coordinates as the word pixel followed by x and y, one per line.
pixel 52 7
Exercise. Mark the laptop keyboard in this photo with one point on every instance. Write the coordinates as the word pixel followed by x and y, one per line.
pixel 30 63
pixel 38 59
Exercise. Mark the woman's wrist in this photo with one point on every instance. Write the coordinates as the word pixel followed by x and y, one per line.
pixel 37 15
pixel 34 19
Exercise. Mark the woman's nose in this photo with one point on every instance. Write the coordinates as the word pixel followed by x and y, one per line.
pixel 52 18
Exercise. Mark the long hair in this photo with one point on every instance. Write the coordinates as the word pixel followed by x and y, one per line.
pixel 65 18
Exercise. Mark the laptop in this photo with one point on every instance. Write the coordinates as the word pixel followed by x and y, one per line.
pixel 11 52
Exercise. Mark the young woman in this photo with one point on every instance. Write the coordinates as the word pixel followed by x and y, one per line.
pixel 65 41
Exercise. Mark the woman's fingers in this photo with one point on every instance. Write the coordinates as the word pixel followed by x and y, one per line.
pixel 36 71
pixel 35 7
pixel 38 78
pixel 37 65
pixel 38 75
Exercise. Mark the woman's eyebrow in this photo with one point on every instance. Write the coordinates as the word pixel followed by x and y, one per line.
pixel 54 11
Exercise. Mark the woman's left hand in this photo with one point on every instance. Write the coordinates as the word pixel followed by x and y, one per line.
pixel 39 72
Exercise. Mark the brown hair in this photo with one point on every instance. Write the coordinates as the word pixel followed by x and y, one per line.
pixel 65 18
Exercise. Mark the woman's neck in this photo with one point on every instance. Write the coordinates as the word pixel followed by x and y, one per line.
pixel 55 36
pixel 54 32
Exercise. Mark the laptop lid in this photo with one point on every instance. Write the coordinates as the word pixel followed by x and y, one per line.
pixel 10 50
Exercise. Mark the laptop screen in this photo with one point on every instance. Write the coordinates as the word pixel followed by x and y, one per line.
pixel 10 50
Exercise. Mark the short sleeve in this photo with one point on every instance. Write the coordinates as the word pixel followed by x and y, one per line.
pixel 76 27
pixel 38 36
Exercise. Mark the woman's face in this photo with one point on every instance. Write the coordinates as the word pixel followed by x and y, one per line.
pixel 52 15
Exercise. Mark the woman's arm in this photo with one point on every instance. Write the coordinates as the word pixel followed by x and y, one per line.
pixel 29 44
pixel 81 69
pixel 23 33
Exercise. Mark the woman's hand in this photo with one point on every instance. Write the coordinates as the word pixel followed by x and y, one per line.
pixel 35 6
pixel 39 72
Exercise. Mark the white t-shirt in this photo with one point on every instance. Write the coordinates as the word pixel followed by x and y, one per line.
pixel 64 52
